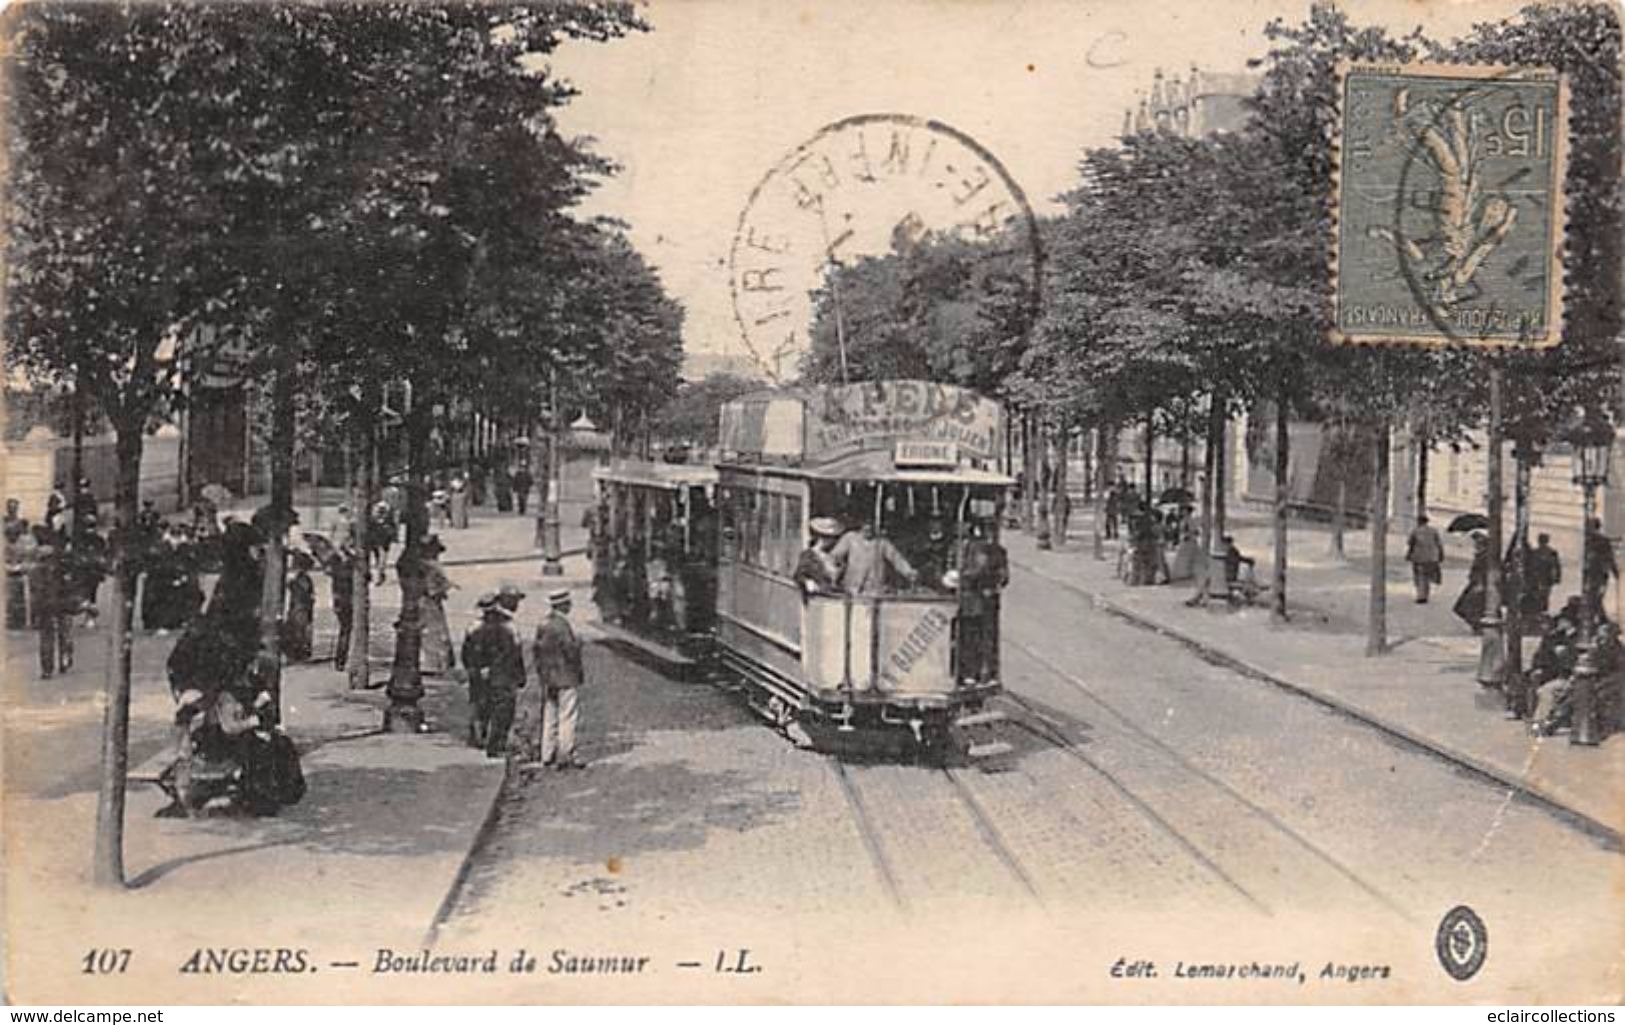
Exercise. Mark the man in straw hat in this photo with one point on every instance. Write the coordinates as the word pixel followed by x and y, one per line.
pixel 496 670
pixel 545 730
pixel 817 571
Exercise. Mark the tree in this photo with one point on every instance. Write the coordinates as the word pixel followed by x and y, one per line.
pixel 112 256
pixel 328 184
pixel 692 414
pixel 1581 41
pixel 939 308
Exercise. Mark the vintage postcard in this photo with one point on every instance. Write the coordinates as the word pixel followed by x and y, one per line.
pixel 726 501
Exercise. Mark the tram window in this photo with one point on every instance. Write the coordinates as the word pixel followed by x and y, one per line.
pixel 774 544
pixel 750 531
pixel 764 528
pixel 726 498
pixel 791 545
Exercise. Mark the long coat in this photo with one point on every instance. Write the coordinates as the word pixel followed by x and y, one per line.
pixel 557 652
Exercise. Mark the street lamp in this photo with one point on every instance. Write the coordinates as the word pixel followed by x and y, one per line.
pixel 1592 438
pixel 552 566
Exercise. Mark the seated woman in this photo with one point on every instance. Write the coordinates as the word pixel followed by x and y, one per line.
pixel 226 740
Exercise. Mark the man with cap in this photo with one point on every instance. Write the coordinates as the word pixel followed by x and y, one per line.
pixel 866 560
pixel 557 654
pixel 509 596
pixel 496 670
pixel 817 571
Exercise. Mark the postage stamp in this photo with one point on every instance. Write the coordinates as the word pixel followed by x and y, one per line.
pixel 1449 204
pixel 860 187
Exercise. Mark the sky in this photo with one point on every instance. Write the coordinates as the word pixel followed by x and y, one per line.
pixel 697 111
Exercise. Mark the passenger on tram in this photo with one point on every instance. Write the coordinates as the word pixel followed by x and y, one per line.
pixel 817 572
pixel 933 555
pixel 632 578
pixel 865 560
pixel 985 571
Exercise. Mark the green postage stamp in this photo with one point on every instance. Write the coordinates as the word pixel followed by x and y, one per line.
pixel 1449 202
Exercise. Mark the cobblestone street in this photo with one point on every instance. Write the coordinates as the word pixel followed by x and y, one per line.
pixel 1142 781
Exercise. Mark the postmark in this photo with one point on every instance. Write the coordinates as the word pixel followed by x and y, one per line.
pixel 1462 943
pixel 1449 205
pixel 860 187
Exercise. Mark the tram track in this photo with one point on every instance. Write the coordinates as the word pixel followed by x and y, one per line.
pixel 984 825
pixel 991 835
pixel 869 836
pixel 1043 728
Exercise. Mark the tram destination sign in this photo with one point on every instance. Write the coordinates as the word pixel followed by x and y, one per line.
pixel 926 453
pixel 876 413
pixel 921 423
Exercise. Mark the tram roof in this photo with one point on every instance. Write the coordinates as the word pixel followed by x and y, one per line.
pixel 817 426
pixel 878 465
pixel 656 475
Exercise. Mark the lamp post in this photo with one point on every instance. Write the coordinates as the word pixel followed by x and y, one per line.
pixel 1520 700
pixel 1592 438
pixel 551 564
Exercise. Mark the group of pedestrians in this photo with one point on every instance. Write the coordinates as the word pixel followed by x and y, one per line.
pixel 1530 575
pixel 54 572
pixel 533 720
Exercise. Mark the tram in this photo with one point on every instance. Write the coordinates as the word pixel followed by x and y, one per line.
pixel 901 478
pixel 653 549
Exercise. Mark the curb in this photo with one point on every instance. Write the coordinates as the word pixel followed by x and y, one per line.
pixel 494 560
pixel 1551 801
pixel 465 868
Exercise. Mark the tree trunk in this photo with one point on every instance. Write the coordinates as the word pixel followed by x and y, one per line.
pixel 1283 497
pixel 364 491
pixel 1086 452
pixel 77 472
pixel 1491 664
pixel 1423 445
pixel 276 548
pixel 1524 458
pixel 108 858
pixel 1220 471
pixel 1340 513
pixel 405 690
pixel 1103 484
pixel 1185 446
pixel 1029 482
pixel 1058 496
pixel 1376 635
pixel 1150 456
pixel 1210 459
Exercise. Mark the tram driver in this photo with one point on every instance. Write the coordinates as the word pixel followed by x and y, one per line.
pixel 866 559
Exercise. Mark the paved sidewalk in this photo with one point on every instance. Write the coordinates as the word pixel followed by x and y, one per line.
pixel 489 537
pixel 364 861
pixel 1422 691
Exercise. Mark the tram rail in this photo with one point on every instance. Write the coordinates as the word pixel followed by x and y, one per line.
pixel 1049 733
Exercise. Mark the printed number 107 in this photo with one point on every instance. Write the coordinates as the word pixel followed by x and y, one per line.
pixel 106 961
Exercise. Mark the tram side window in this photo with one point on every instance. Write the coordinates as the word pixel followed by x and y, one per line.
pixel 750 533
pixel 791 542
pixel 728 514
pixel 764 530
pixel 775 534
